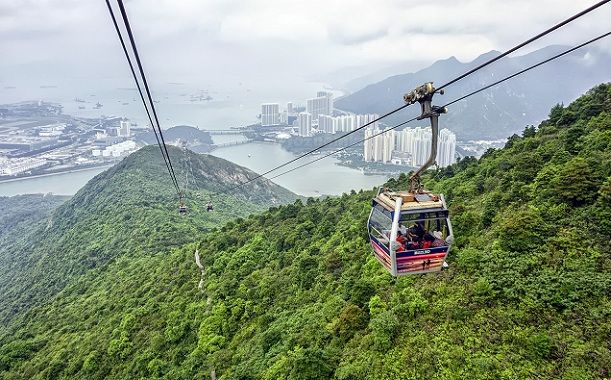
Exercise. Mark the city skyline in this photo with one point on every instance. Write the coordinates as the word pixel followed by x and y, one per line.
pixel 410 146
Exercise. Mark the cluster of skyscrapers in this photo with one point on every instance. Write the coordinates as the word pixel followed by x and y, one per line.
pixel 316 117
pixel 345 123
pixel 322 104
pixel 410 147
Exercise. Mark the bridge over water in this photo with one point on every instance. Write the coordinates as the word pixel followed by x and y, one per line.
pixel 231 143
pixel 226 131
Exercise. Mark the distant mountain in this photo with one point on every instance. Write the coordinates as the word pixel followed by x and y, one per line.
pixel 354 78
pixel 357 83
pixel 196 139
pixel 501 110
pixel 118 213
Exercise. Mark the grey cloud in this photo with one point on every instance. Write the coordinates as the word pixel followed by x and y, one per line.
pixel 437 29
pixel 343 38
pixel 266 37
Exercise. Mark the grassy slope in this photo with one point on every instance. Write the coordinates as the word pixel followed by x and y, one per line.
pixel 295 293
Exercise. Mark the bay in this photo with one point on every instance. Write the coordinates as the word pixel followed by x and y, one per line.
pixel 321 178
pixel 67 183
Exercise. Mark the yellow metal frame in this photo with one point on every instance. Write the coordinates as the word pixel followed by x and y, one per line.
pixel 387 199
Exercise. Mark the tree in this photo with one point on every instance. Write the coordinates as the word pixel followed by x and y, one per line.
pixel 522 230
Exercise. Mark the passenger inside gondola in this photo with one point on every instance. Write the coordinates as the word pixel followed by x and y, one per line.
pixel 438 242
pixel 402 240
pixel 417 237
pixel 415 234
pixel 427 241
pixel 417 230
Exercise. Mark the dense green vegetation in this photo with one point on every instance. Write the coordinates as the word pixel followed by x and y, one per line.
pixel 294 293
pixel 129 209
pixel 19 215
pixel 19 212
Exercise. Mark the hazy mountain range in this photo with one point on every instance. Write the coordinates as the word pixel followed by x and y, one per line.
pixel 501 110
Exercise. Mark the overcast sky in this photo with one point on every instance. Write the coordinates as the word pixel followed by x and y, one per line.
pixel 255 39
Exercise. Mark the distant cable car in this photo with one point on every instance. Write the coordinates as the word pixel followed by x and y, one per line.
pixel 182 209
pixel 209 207
pixel 410 231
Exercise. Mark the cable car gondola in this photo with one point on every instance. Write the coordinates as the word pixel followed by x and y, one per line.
pixel 410 231
pixel 182 209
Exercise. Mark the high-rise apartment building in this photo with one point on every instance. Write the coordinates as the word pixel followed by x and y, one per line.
pixel 305 124
pixel 446 151
pixel 380 147
pixel 124 129
pixel 321 105
pixel 327 124
pixel 270 114
pixel 348 123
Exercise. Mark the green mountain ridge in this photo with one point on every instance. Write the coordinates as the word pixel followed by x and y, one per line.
pixel 131 207
pixel 196 139
pixel 295 293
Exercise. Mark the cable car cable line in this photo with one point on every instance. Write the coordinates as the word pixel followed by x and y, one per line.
pixel 342 149
pixel 530 68
pixel 521 45
pixel 159 138
pixel 131 66
pixel 439 89
pixel 451 102
pixel 156 127
pixel 322 146
pixel 146 87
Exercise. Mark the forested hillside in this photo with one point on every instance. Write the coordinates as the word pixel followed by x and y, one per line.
pixel 294 292
pixel 129 209
pixel 20 212
pixel 19 216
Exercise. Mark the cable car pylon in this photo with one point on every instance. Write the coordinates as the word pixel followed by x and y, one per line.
pixel 410 231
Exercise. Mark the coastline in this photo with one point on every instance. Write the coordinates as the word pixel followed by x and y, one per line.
pixel 61 171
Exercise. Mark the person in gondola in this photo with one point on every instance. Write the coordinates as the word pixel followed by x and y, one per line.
pixel 438 242
pixel 401 239
pixel 427 241
pixel 417 230
pixel 413 241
